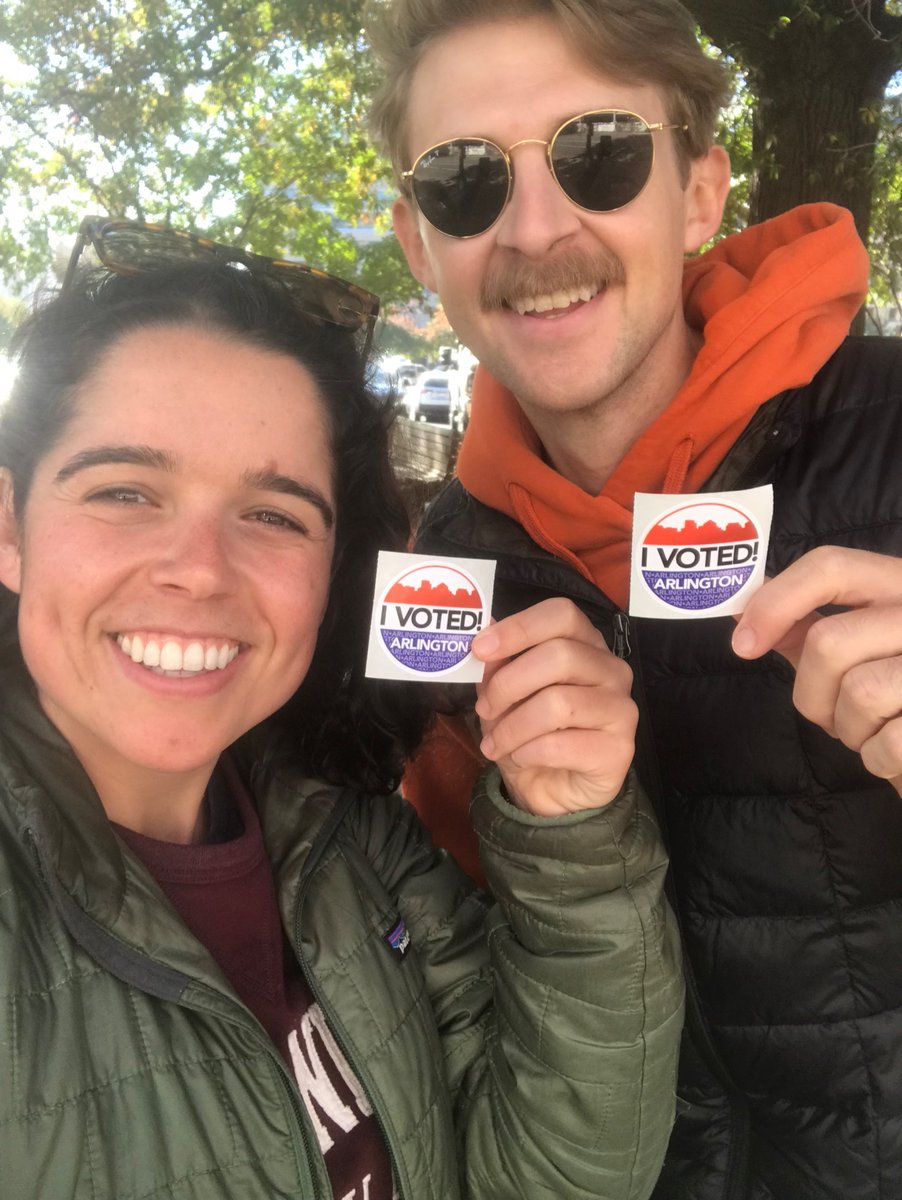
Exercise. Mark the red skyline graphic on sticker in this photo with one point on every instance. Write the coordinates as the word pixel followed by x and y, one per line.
pixel 435 587
pixel 701 525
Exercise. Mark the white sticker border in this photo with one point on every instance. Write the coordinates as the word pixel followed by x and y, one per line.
pixel 757 504
pixel 392 566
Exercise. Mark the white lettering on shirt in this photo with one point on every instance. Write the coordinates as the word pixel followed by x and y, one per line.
pixel 316 1089
pixel 352 1194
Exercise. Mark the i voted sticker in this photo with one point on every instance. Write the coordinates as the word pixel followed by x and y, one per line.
pixel 698 556
pixel 426 612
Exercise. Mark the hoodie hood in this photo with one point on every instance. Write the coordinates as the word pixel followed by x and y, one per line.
pixel 772 304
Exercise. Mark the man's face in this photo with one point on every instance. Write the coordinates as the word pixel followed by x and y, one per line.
pixel 510 80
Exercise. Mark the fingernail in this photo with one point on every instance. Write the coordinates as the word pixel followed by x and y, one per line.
pixel 487 746
pixel 744 643
pixel 485 642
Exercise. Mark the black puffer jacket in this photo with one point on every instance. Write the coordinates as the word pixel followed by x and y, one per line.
pixel 786 854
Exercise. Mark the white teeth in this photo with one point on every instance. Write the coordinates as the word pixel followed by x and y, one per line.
pixel 193 657
pixel 169 656
pixel 548 302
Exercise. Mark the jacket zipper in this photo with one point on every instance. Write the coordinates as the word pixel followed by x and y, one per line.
pixel 362 1074
pixel 301 1117
pixel 767 452
pixel 622 646
pixel 737 1167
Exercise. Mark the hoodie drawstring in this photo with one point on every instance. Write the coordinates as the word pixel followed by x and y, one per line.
pixel 680 461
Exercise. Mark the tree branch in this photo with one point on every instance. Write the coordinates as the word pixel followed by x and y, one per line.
pixel 737 22
pixel 884 26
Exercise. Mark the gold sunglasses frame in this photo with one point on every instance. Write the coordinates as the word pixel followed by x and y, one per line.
pixel 548 143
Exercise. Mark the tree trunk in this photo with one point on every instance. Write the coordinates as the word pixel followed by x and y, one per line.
pixel 819 71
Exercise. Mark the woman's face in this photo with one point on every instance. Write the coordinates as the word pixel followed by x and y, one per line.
pixel 174 557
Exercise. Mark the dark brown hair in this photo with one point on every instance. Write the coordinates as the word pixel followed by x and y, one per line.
pixel 343 727
pixel 647 41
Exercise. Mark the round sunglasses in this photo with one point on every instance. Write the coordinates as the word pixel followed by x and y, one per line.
pixel 600 160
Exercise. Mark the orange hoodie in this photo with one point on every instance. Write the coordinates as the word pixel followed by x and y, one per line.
pixel 773 303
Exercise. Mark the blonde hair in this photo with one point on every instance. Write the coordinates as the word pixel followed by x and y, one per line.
pixel 647 41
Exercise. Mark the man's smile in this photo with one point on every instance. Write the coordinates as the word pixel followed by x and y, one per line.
pixel 554 302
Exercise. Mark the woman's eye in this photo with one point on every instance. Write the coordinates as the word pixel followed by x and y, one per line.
pixel 279 520
pixel 118 495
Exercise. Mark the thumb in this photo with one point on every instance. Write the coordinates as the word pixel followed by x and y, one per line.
pixel 750 642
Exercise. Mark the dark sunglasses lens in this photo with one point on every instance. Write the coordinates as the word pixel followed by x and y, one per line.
pixel 143 249
pixel 461 187
pixel 603 160
pixel 321 297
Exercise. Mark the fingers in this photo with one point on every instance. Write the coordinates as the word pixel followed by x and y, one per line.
pixel 556 618
pixel 846 680
pixel 781 613
pixel 566 771
pixel 555 707
pixel 882 754
pixel 557 661
pixel 848 664
pixel 563 675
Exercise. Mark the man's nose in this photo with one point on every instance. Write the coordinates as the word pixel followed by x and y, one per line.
pixel 538 214
pixel 194 557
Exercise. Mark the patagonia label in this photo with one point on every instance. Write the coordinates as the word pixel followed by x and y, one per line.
pixel 426 613
pixel 698 556
pixel 398 937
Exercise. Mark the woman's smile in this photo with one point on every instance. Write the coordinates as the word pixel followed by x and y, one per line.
pixel 171 586
pixel 171 656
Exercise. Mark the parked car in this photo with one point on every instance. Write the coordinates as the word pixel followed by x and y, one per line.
pixel 406 373
pixel 461 396
pixel 380 382
pixel 429 399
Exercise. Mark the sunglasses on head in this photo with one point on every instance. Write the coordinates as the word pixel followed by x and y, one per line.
pixel 132 247
pixel 600 160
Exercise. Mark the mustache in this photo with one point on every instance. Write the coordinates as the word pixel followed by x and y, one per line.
pixel 511 278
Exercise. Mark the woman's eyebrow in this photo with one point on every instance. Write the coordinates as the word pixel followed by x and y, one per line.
pixel 272 481
pixel 98 456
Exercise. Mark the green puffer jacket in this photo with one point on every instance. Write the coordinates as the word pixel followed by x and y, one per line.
pixel 520 1050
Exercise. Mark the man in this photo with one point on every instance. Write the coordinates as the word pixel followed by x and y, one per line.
pixel 555 164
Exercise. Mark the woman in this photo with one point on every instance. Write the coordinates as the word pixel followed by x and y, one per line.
pixel 232 964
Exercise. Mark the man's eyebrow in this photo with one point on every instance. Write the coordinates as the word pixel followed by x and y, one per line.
pixel 98 456
pixel 272 481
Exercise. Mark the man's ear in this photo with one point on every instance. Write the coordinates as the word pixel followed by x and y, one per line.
pixel 706 195
pixel 10 556
pixel 407 231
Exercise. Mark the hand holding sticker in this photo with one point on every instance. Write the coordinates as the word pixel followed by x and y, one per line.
pixel 556 710
pixel 848 664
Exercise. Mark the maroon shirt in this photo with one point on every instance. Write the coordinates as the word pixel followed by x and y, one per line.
pixel 224 892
